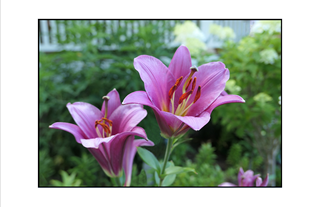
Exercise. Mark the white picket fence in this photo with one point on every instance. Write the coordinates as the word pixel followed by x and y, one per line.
pixel 49 28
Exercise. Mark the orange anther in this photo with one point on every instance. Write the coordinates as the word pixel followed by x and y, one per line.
pixel 172 90
pixel 174 87
pixel 107 120
pixel 105 128
pixel 188 83
pixel 198 94
pixel 178 81
pixel 194 83
pixel 96 123
pixel 184 96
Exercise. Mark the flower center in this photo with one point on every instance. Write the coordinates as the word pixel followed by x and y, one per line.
pixel 105 123
pixel 183 105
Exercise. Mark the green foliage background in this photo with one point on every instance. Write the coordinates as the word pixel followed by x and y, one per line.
pixel 105 61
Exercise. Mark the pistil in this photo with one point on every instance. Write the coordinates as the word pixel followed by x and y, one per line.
pixel 105 123
pixel 106 99
pixel 193 70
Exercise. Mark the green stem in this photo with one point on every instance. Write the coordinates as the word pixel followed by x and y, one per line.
pixel 116 181
pixel 166 157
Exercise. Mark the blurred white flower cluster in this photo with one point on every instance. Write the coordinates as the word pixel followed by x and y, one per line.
pixel 223 33
pixel 266 25
pixel 232 87
pixel 268 56
pixel 191 36
pixel 262 97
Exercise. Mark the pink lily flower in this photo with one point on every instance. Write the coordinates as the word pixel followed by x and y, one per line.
pixel 108 134
pixel 247 179
pixel 182 96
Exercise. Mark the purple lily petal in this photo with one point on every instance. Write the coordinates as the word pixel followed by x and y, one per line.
pixel 95 142
pixel 196 123
pixel 156 77
pixel 117 147
pixel 246 179
pixel 138 97
pixel 265 181
pixel 226 184
pixel 241 172
pixel 141 97
pixel 85 115
pixel 116 150
pixel 103 159
pixel 258 181
pixel 212 78
pixel 224 100
pixel 71 128
pixel 125 117
pixel 112 147
pixel 129 153
pixel 223 93
pixel 113 103
pixel 180 63
pixel 140 132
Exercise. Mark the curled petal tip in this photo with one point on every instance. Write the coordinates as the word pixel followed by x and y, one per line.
pixel 50 126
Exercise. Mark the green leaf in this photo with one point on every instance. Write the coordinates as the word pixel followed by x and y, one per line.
pixel 149 158
pixel 176 170
pixel 56 183
pixel 142 178
pixel 168 180
pixel 157 179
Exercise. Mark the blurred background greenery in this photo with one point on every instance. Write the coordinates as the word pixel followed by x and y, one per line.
pixel 88 58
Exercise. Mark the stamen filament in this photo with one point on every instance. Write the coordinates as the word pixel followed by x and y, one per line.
pixel 198 94
pixel 172 103
pixel 194 83
pixel 188 83
pixel 182 99
pixel 186 109
pixel 98 132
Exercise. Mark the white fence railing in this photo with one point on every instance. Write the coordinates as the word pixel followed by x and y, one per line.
pixel 48 29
